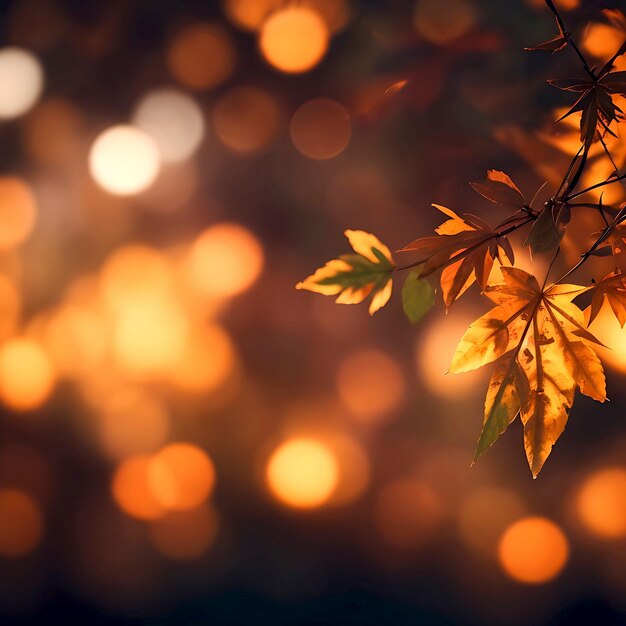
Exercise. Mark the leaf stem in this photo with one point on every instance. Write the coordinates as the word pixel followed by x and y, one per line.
pixel 463 253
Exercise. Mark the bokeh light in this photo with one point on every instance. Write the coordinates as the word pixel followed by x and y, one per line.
pixel 169 172
pixel 174 120
pixel 131 490
pixel 185 535
pixel 607 329
pixel 132 421
pixel 246 120
pixel 294 39
pixel 21 523
pixel 302 473
pixel 434 353
pixel 602 40
pixel 181 476
pixel 27 377
pixel 201 56
pixel 76 338
pixel 224 261
pixel 10 306
pixel 601 502
pixel 370 384
pixel 443 21
pixel 135 272
pixel 533 550
pixel 124 160
pixel 18 211
pixel 321 129
pixel 249 14
pixel 149 337
pixel 21 77
pixel 206 361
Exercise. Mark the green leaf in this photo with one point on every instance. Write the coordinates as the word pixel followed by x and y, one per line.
pixel 418 296
pixel 502 403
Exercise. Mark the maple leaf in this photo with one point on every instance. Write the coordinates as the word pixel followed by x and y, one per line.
pixel 595 102
pixel 500 189
pixel 611 288
pixel 466 247
pixel 356 276
pixel 542 353
pixel 552 45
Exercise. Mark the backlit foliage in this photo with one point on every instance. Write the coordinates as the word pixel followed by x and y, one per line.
pixel 536 335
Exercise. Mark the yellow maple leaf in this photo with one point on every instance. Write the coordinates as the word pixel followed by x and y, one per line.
pixel 354 277
pixel 542 351
pixel 466 248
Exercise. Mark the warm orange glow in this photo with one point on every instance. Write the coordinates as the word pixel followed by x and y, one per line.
pixel 533 550
pixel 483 516
pixel 566 5
pixel 601 503
pixel 225 260
pixel 150 325
pixel 131 489
pixel 132 421
pixel 206 360
pixel 201 56
pixel 294 39
pixel 134 273
pixel 76 339
pixel 185 535
pixel 321 129
pixel 370 384
pixel 124 160
pixel 434 355
pixel 21 523
pixel 602 40
pixel 181 476
pixel 18 211
pixel 246 120
pixel 149 337
pixel 607 329
pixel 442 21
pixel 27 377
pixel 302 473
pixel 407 513
pixel 9 306
pixel 249 14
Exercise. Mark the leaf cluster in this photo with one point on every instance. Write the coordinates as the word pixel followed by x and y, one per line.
pixel 536 336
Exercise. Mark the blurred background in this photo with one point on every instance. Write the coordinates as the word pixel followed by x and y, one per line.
pixel 188 440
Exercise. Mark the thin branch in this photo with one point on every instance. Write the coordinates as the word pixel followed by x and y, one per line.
pixel 620 217
pixel 464 253
pixel 570 40
pixel 612 179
